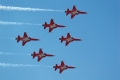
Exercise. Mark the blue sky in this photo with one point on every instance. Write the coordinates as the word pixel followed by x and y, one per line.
pixel 96 57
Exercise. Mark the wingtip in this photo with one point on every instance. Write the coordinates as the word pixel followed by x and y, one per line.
pixel 74 5
pixel 62 61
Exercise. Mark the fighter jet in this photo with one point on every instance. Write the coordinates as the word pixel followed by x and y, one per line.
pixel 52 25
pixel 25 39
pixel 74 12
pixel 62 67
pixel 68 39
pixel 40 55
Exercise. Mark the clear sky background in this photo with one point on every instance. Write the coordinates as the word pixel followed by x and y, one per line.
pixel 96 57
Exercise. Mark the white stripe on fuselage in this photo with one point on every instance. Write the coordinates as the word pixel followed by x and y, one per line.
pixel 42 55
pixel 53 26
pixel 64 67
pixel 69 39
pixel 74 12
pixel 26 39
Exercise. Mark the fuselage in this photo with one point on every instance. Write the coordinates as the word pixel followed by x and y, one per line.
pixel 63 67
pixel 41 55
pixel 75 12
pixel 53 26
pixel 26 39
pixel 69 39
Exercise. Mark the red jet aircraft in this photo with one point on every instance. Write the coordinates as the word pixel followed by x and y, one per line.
pixel 74 12
pixel 52 25
pixel 62 67
pixel 25 39
pixel 68 39
pixel 40 55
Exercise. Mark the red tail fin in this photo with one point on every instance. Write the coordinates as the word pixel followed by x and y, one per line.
pixel 67 12
pixel 18 38
pixel 56 67
pixel 62 38
pixel 34 55
pixel 45 25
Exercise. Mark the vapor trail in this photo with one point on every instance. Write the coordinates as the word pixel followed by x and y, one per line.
pixel 16 23
pixel 9 53
pixel 7 38
pixel 25 9
pixel 20 65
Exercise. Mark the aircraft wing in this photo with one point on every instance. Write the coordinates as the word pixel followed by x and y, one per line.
pixel 61 70
pixel 52 22
pixel 25 34
pixel 67 43
pixel 68 35
pixel 72 16
pixel 62 63
pixel 39 59
pixel 50 29
pixel 74 8
pixel 40 50
pixel 23 43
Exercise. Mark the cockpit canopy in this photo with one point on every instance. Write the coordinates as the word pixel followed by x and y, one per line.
pixel 29 38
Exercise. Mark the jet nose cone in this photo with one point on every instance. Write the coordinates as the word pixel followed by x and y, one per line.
pixel 63 26
pixel 16 38
pixel 81 40
pixel 53 66
pixel 65 11
pixel 59 38
pixel 53 55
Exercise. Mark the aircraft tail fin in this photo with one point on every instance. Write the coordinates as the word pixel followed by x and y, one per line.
pixel 34 55
pixel 45 25
pixel 56 67
pixel 67 12
pixel 18 38
pixel 62 38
